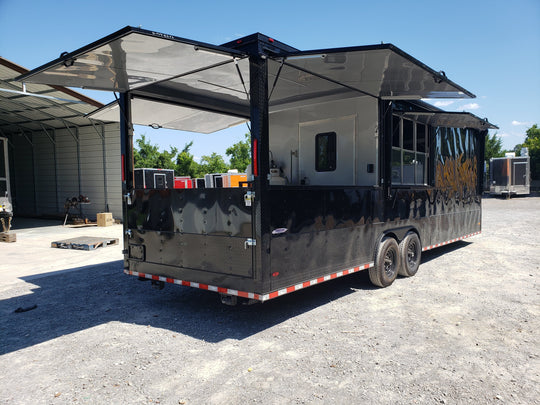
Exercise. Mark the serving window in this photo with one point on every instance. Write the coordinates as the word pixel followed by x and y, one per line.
pixel 409 152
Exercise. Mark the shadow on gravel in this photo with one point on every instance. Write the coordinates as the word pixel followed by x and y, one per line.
pixel 435 253
pixel 78 299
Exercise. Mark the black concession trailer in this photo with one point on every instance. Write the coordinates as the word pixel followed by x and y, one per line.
pixel 153 178
pixel 350 169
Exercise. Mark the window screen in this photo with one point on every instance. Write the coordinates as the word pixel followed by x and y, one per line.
pixel 325 152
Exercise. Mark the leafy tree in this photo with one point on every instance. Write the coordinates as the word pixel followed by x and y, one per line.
pixel 517 149
pixel 167 159
pixel 240 154
pixel 212 164
pixel 185 164
pixel 493 147
pixel 532 141
pixel 148 155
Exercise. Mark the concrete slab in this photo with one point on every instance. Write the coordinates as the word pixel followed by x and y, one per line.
pixel 32 254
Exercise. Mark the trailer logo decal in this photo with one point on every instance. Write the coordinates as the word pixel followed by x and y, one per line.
pixel 250 295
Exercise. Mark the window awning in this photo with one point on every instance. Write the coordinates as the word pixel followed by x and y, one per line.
pixel 382 71
pixel 450 119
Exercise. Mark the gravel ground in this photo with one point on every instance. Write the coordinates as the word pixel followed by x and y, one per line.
pixel 464 330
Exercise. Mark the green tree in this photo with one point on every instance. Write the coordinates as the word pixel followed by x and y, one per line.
pixel 185 164
pixel 148 155
pixel 532 142
pixel 212 164
pixel 240 154
pixel 493 147
pixel 145 154
pixel 167 159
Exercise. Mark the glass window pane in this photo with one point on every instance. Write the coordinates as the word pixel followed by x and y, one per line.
pixel 420 138
pixel 408 136
pixel 325 152
pixel 409 164
pixel 396 166
pixel 395 131
pixel 420 168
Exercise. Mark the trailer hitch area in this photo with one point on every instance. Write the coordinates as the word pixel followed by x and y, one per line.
pixel 233 300
pixel 158 285
pixel 228 299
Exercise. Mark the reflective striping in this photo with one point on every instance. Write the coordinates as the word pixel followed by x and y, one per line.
pixel 250 295
pixel 450 241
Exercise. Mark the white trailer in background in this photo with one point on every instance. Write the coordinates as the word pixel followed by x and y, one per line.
pixel 510 175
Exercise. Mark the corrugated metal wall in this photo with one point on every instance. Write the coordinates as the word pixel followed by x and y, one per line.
pixel 50 167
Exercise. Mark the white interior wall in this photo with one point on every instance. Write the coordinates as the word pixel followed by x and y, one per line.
pixel 285 129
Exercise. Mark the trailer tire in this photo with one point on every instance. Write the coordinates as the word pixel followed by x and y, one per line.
pixel 410 253
pixel 387 263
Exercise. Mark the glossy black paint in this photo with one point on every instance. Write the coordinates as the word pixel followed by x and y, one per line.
pixel 301 232
pixel 192 234
pixel 333 229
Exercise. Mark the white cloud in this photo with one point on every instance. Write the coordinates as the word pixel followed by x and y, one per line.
pixel 444 103
pixel 470 106
pixel 519 123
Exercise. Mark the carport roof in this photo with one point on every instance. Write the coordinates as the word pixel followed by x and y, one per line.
pixel 38 107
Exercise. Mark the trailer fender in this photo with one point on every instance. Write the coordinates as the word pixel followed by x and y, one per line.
pixel 407 263
pixel 397 233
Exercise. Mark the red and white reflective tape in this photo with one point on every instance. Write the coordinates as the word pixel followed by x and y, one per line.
pixel 317 280
pixel 254 296
pixel 450 241
pixel 195 285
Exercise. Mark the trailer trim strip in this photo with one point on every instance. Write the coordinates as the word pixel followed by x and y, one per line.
pixel 450 241
pixel 250 295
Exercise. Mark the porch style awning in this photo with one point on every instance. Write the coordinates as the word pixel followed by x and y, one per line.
pixel 200 87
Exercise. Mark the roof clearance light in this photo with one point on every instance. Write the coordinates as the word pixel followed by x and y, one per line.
pixel 270 40
pixel 155 126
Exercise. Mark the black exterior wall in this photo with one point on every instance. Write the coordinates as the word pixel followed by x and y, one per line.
pixel 295 233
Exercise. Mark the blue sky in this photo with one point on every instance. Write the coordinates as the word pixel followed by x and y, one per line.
pixel 492 48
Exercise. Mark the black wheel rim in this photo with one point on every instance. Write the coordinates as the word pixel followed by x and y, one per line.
pixel 390 263
pixel 412 253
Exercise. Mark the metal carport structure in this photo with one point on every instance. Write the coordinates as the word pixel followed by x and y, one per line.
pixel 55 151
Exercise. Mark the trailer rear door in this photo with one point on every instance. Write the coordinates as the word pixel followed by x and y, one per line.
pixel 519 173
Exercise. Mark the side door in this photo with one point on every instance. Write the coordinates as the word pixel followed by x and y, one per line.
pixel 519 172
pixel 327 151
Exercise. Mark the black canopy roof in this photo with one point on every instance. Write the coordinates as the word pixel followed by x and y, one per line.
pixel 199 80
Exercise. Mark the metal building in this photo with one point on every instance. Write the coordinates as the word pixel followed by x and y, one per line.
pixel 54 151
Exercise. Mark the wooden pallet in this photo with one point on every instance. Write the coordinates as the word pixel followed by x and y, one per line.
pixel 8 237
pixel 84 243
